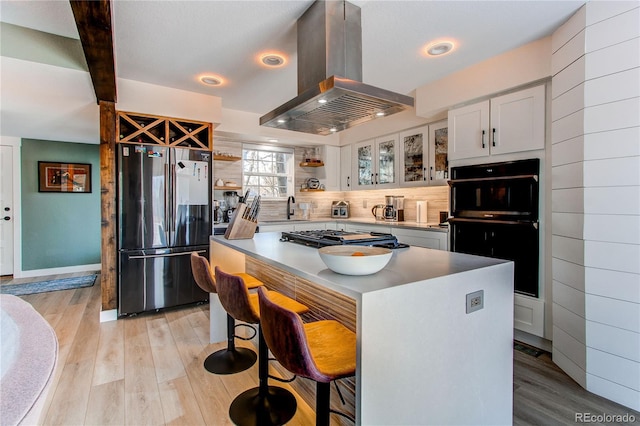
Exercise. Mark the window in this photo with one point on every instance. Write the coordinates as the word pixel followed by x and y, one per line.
pixel 267 170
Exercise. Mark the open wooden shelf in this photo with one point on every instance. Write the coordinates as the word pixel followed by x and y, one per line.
pixel 312 164
pixel 311 190
pixel 226 158
pixel 227 188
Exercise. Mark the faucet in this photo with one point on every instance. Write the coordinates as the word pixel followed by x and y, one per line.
pixel 290 200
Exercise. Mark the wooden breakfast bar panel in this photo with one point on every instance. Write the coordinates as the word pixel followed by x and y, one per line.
pixel 421 358
pixel 323 304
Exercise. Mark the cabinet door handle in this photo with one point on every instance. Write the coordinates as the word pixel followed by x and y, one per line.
pixel 431 173
pixel 348 183
pixel 483 132
pixel 373 182
pixel 376 178
pixel 493 143
pixel 424 173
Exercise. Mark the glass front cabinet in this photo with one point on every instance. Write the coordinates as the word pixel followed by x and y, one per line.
pixel 376 163
pixel 423 158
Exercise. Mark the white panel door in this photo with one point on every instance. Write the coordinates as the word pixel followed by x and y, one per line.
pixel 468 128
pixel 517 121
pixel 346 168
pixel 6 210
pixel 414 157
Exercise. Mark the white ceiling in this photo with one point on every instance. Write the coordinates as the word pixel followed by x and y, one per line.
pixel 171 43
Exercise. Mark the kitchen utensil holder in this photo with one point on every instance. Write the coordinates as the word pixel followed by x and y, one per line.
pixel 240 228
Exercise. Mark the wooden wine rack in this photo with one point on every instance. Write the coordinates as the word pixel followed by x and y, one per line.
pixel 148 129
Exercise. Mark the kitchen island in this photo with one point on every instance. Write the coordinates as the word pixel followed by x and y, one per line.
pixel 422 359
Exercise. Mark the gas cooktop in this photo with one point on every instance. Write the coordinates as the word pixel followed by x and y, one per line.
pixel 327 237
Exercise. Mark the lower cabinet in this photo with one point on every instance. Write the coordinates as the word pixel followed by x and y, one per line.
pixel 309 226
pixel 276 227
pixel 363 227
pixel 423 238
pixel 294 226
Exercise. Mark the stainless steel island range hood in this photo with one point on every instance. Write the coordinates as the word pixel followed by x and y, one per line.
pixel 331 96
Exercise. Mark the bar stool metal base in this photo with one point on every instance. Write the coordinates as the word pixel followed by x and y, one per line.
pixel 226 361
pixel 252 408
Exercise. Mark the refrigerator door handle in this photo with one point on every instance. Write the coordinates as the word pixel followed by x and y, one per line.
pixel 151 256
pixel 167 217
pixel 173 201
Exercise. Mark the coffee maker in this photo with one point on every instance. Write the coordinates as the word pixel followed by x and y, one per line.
pixel 398 205
pixel 389 212
pixel 217 214
pixel 394 208
pixel 231 199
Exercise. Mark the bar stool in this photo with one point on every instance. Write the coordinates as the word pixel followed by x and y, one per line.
pixel 322 350
pixel 232 359
pixel 264 405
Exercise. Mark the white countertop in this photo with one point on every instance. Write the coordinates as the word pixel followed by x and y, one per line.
pixel 408 265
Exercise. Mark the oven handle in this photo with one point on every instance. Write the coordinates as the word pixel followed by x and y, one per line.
pixel 493 178
pixel 494 221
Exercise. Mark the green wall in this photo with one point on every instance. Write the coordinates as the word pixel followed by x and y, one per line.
pixel 59 229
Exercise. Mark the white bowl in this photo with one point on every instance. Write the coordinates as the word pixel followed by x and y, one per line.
pixel 367 260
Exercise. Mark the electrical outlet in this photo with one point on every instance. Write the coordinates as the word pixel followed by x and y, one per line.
pixel 475 301
pixel 364 204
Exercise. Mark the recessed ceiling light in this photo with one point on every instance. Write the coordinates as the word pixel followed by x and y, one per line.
pixel 439 48
pixel 273 60
pixel 211 80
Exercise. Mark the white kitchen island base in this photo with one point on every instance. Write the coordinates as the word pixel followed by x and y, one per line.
pixel 421 358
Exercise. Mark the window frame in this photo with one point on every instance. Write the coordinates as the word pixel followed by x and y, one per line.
pixel 289 166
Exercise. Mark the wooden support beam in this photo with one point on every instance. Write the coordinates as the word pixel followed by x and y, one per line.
pixel 93 19
pixel 108 201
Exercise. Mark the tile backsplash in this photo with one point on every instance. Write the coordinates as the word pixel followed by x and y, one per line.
pixel 360 202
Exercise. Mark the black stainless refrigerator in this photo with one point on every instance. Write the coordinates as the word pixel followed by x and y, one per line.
pixel 164 213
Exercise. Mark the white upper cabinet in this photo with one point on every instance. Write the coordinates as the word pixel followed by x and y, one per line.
pixel 468 131
pixel 424 155
pixel 517 121
pixel 501 125
pixel 330 173
pixel 414 157
pixel 439 153
pixel 376 163
pixel 346 168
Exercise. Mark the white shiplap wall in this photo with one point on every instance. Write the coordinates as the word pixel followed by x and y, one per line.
pixel 596 199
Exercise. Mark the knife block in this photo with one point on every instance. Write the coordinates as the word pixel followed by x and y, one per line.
pixel 239 228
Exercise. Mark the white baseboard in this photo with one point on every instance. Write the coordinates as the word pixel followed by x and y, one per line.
pixel 57 271
pixel 532 340
pixel 110 315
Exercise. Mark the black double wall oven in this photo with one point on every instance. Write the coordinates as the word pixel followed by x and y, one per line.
pixel 494 213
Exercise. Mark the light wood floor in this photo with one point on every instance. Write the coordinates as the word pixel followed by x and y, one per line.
pixel 148 370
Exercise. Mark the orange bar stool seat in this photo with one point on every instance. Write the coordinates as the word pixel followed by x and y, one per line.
pixel 322 350
pixel 264 405
pixel 232 359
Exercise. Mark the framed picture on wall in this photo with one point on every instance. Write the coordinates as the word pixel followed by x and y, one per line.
pixel 64 177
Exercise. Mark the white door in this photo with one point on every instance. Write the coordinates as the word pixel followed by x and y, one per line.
pixel 414 157
pixel 346 168
pixel 387 154
pixel 517 121
pixel 468 127
pixel 6 210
